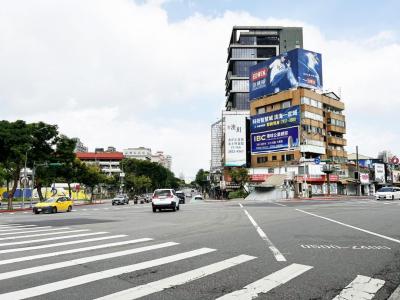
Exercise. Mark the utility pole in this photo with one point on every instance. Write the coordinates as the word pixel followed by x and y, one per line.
pixel 358 173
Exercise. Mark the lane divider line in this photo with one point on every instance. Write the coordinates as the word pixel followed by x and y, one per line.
pixel 277 254
pixel 351 226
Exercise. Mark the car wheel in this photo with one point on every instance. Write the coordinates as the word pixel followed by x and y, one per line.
pixel 69 208
pixel 393 197
pixel 174 207
pixel 154 209
pixel 113 203
pixel 36 212
pixel 54 210
pixel 177 208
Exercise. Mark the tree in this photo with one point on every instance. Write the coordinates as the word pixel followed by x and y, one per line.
pixel 239 176
pixel 202 180
pixel 91 176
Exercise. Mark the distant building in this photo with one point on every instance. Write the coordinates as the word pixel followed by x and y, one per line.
pixel 162 159
pixel 111 149
pixel 141 153
pixel 108 162
pixel 80 147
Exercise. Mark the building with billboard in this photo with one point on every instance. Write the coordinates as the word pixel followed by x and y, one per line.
pixel 299 129
pixel 248 46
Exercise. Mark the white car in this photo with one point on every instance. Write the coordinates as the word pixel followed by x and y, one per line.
pixel 165 198
pixel 388 193
pixel 197 198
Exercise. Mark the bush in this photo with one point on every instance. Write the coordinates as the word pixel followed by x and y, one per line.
pixel 237 194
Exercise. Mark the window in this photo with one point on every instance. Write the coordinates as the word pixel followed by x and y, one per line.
pixel 260 110
pixel 273 157
pixel 266 52
pixel 286 104
pixel 289 157
pixel 270 170
pixel 241 101
pixel 312 102
pixel 262 159
pixel 268 40
pixel 241 68
pixel 240 85
pixel 336 122
pixel 244 53
pixel 313 116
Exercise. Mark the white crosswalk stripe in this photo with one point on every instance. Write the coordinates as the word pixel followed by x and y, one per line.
pixel 52 238
pixel 160 285
pixel 16 228
pixel 63 243
pixel 362 287
pixel 36 234
pixel 52 254
pixel 267 283
pixel 80 280
pixel 79 261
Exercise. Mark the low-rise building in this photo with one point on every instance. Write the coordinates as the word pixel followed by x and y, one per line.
pixel 162 159
pixel 108 162
pixel 141 153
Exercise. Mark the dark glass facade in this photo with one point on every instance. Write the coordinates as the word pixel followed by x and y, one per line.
pixel 248 46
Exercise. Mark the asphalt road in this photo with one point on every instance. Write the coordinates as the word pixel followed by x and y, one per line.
pixel 346 249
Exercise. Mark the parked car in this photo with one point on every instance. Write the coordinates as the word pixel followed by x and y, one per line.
pixel 54 205
pixel 165 198
pixel 181 196
pixel 120 199
pixel 388 193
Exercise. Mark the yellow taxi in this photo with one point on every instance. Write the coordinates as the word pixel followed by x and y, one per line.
pixel 54 205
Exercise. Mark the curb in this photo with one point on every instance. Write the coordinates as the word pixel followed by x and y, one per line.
pixel 331 198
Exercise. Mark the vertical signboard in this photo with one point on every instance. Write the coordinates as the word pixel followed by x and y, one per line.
pixel 380 173
pixel 292 69
pixel 235 140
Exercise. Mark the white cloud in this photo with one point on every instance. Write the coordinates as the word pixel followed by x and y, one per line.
pixel 118 73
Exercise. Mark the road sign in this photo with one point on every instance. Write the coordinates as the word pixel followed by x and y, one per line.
pixel 394 160
pixel 317 160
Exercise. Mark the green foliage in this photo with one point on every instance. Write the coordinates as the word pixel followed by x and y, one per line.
pixel 141 175
pixel 202 179
pixel 239 176
pixel 237 194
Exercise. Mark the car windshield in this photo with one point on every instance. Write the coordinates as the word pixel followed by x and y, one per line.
pixel 162 193
pixel 51 200
pixel 385 189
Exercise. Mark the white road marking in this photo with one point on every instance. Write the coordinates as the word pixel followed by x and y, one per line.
pixel 51 254
pixel 267 283
pixel 21 227
pixel 64 243
pixel 362 287
pixel 395 295
pixel 79 261
pixel 279 204
pixel 52 238
pixel 11 213
pixel 41 234
pixel 169 282
pixel 14 224
pixel 277 254
pixel 350 226
pixel 34 230
pixel 80 280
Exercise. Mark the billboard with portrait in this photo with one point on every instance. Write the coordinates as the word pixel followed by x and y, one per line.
pixel 275 140
pixel 287 117
pixel 289 70
pixel 235 140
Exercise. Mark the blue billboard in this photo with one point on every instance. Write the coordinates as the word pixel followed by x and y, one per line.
pixel 275 140
pixel 282 118
pixel 295 68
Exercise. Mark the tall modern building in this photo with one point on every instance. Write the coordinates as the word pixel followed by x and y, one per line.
pixel 216 144
pixel 248 46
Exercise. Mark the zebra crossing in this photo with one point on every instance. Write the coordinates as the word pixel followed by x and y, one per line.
pixel 116 246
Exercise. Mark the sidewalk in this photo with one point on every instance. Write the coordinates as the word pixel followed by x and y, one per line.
pixel 331 198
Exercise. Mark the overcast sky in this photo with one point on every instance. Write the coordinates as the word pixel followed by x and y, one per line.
pixel 152 73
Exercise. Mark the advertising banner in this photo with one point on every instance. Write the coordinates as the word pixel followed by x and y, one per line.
pixel 235 140
pixel 396 176
pixel 294 68
pixel 275 140
pixel 287 117
pixel 364 178
pixel 380 173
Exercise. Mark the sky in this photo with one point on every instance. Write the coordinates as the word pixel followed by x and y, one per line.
pixel 128 73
